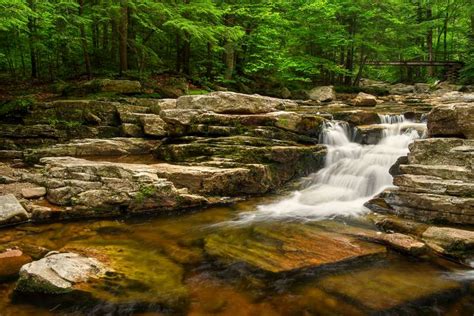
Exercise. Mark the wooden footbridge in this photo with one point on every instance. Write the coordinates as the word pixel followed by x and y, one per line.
pixel 452 68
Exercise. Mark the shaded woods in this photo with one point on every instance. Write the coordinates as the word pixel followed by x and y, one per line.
pixel 292 42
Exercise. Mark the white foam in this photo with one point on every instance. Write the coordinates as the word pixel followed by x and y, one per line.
pixel 353 174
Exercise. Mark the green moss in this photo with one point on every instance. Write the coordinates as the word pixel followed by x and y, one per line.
pixel 197 92
pixel 145 192
pixel 16 106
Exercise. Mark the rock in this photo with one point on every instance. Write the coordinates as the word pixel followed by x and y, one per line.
pixel 33 193
pixel 172 87
pixel 11 260
pixel 281 248
pixel 217 181
pixel 58 273
pixel 452 97
pixel 285 159
pixel 404 243
pixel 429 207
pixel 453 120
pixel 285 93
pixel 395 169
pixel 95 147
pixel 439 171
pixel 434 185
pixel 447 86
pixel 401 225
pixel 450 241
pixel 102 189
pixel 232 103
pixel 72 112
pixel 401 89
pixel 153 280
pixel 358 117
pixel 364 99
pixel 11 211
pixel 153 125
pixel 6 180
pixel 323 94
pixel 117 86
pixel 422 87
pixel 386 288
pixel 132 130
pixel 369 134
pixel 442 151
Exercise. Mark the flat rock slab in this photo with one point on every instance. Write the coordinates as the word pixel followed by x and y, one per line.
pixel 281 248
pixel 139 276
pixel 450 241
pixel 33 193
pixel 58 273
pixel 390 286
pixel 11 211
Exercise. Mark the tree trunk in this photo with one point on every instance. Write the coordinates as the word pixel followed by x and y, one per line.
pixel 229 60
pixel 429 41
pixel 85 53
pixel 31 42
pixel 209 61
pixel 123 37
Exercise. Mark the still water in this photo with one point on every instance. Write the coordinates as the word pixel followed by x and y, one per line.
pixel 174 266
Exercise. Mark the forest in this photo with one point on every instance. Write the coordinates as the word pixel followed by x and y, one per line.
pixel 289 43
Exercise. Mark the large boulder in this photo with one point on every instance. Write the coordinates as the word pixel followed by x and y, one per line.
pixel 402 89
pixel 153 125
pixel 94 147
pixel 358 117
pixel 232 103
pixel 364 99
pixel 101 189
pixel 450 241
pixel 442 151
pixel 116 86
pixel 453 120
pixel 323 94
pixel 58 273
pixel 11 211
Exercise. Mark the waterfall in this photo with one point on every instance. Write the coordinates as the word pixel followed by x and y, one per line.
pixel 353 173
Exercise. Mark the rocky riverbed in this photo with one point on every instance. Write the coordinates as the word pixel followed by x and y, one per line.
pixel 94 159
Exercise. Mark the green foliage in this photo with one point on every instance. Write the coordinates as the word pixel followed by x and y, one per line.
pixel 144 193
pixel 294 43
pixel 16 106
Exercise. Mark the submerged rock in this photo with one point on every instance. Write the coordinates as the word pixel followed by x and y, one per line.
pixel 58 273
pixel 386 288
pixel 11 261
pixel 281 248
pixel 11 211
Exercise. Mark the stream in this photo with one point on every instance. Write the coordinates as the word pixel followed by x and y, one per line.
pixel 258 257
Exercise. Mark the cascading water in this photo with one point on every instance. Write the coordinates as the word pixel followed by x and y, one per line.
pixel 353 173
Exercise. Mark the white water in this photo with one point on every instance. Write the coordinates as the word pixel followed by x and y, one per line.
pixel 353 173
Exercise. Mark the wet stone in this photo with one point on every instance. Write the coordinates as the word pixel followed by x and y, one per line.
pixel 11 211
pixel 387 287
pixel 281 248
pixel 11 260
